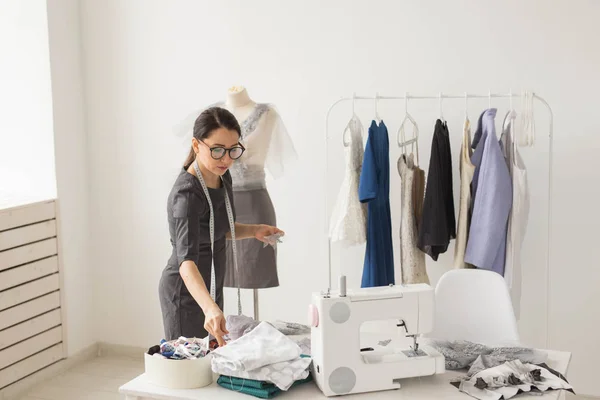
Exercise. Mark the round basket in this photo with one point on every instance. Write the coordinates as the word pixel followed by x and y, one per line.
pixel 178 374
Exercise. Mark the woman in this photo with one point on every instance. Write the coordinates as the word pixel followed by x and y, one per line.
pixel 187 307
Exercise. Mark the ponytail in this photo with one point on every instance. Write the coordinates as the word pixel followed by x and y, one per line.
pixel 190 158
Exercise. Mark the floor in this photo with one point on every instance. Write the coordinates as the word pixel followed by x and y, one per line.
pixel 98 379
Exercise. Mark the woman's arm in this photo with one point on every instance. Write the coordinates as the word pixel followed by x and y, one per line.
pixel 244 231
pixel 195 285
pixel 257 231
pixel 214 321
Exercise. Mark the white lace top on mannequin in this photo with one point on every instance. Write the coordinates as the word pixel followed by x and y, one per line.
pixel 268 146
pixel 349 218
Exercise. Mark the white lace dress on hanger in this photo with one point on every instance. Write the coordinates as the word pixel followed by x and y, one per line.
pixel 349 218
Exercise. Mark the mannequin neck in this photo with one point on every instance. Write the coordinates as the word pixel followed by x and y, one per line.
pixel 238 97
pixel 239 103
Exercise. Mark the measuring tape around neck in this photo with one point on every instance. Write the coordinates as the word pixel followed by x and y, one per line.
pixel 212 236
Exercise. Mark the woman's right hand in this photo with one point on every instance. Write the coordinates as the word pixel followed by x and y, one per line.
pixel 214 323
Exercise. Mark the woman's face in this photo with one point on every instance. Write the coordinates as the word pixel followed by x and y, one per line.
pixel 216 150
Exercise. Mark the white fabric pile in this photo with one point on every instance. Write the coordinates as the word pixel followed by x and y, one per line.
pixel 263 354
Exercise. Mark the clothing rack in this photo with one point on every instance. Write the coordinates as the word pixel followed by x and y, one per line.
pixel 441 97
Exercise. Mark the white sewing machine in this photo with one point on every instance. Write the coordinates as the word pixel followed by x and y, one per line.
pixel 341 367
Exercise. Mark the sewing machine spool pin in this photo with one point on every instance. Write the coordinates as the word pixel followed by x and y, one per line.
pixel 342 286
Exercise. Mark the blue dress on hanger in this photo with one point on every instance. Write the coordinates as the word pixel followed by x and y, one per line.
pixel 374 189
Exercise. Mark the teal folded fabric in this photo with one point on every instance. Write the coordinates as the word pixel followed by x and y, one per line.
pixel 260 389
pixel 231 380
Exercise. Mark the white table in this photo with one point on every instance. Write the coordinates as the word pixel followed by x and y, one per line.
pixel 424 388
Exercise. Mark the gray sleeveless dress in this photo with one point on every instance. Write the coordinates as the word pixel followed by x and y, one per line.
pixel 188 216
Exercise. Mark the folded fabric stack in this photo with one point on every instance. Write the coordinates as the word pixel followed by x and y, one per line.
pixel 263 354
pixel 183 348
pixel 260 389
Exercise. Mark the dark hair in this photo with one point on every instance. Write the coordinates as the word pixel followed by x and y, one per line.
pixel 209 120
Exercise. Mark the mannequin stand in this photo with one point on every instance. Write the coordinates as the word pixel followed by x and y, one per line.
pixel 255 304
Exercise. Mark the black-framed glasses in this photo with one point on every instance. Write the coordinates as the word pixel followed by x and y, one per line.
pixel 217 153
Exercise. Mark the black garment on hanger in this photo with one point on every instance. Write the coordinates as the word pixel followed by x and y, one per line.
pixel 438 222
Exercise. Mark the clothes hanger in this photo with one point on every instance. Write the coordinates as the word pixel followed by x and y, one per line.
pixel 527 126
pixel 377 118
pixel 510 113
pixel 467 123
pixel 441 110
pixel 490 107
pixel 512 117
pixel 400 137
pixel 347 143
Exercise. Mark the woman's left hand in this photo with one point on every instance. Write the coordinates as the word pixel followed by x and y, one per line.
pixel 262 231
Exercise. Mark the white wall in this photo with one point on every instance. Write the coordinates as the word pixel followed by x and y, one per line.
pixel 150 63
pixel 26 139
pixel 71 171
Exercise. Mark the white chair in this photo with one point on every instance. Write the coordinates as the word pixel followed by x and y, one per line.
pixel 474 305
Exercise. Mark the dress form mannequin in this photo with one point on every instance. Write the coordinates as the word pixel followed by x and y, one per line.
pixel 241 106
pixel 268 147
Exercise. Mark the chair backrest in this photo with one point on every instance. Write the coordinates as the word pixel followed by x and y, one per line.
pixel 474 305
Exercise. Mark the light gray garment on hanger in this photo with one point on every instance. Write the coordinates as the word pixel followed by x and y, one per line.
pixel 413 265
pixel 486 246
pixel 467 169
